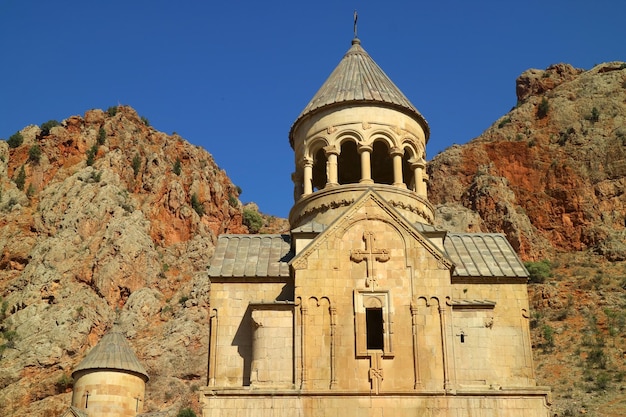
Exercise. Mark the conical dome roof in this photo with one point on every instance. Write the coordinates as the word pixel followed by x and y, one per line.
pixel 112 352
pixel 359 79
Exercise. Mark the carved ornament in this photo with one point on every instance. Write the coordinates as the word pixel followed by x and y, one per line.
pixel 369 255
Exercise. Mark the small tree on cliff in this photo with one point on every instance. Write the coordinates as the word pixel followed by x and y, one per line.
pixel 20 179
pixel 15 140
pixel 177 167
pixel 45 127
pixel 253 220
pixel 136 164
pixel 543 108
pixel 197 205
pixel 34 154
pixel 186 412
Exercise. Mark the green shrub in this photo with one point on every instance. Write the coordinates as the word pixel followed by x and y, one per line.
pixel 564 136
pixel 34 154
pixel 186 412
pixel 232 200
pixel 102 135
pixel 112 111
pixel 538 271
pixel 15 140
pixel 45 127
pixel 10 336
pixel 177 169
pixel 594 116
pixel 253 220
pixel 597 358
pixel 30 191
pixel 504 122
pixel 239 190
pixel 20 179
pixel 91 155
pixel 601 381
pixel 183 299
pixel 197 205
pixel 64 382
pixel 95 176
pixel 9 205
pixel 4 305
pixel 543 108
pixel 145 121
pixel 136 164
pixel 548 337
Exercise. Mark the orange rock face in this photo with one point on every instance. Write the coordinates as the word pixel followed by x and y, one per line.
pixel 551 183
pixel 105 228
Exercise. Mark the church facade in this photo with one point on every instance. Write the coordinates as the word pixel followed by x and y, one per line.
pixel 365 308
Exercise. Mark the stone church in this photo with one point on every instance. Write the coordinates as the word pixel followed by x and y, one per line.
pixel 366 308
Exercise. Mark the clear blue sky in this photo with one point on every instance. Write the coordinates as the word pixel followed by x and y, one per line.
pixel 229 74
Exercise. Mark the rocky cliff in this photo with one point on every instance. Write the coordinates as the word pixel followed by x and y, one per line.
pixel 551 173
pixel 104 218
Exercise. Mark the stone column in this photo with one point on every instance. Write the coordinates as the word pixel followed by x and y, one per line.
pixel 366 169
pixel 212 349
pixel 416 370
pixel 296 177
pixel 397 153
pixel 303 312
pixel 333 356
pixel 418 168
pixel 331 166
pixel 308 176
pixel 445 335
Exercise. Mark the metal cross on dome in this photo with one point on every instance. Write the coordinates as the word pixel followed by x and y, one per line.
pixel 369 255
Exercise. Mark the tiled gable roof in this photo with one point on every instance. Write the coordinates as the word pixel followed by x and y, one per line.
pixel 479 255
pixel 483 255
pixel 251 256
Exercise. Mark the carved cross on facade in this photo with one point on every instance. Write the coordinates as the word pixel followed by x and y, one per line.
pixel 376 373
pixel 369 255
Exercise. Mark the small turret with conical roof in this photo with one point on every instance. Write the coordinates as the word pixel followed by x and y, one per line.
pixel 110 381
pixel 358 131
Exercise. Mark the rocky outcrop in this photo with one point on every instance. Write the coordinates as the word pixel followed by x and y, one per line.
pixel 113 221
pixel 550 174
pixel 535 82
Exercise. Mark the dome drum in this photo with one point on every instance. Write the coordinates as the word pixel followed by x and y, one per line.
pixel 328 204
pixel 359 145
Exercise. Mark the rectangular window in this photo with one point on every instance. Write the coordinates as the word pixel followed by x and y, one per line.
pixel 373 323
pixel 374 328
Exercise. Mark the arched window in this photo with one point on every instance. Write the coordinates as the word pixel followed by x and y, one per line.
pixel 382 163
pixel 349 164
pixel 319 170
